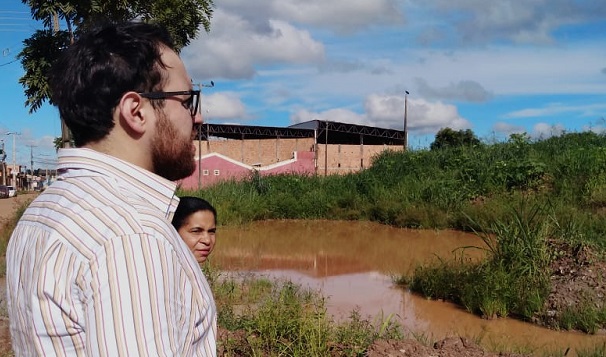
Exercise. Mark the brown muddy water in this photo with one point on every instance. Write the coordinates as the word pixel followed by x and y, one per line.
pixel 350 263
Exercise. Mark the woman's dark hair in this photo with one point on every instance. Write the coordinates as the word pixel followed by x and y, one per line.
pixel 90 76
pixel 189 205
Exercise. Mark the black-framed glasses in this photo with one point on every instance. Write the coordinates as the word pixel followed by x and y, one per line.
pixel 191 103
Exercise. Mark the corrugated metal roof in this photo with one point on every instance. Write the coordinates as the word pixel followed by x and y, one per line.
pixel 333 132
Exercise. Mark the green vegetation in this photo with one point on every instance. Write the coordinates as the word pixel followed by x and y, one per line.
pixel 585 317
pixel 262 317
pixel 278 318
pixel 518 195
pixel 447 137
pixel 183 20
pixel 592 351
pixel 442 188
pixel 499 286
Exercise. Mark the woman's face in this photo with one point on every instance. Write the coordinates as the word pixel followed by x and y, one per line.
pixel 198 232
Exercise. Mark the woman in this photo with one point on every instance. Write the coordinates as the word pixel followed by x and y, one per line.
pixel 196 222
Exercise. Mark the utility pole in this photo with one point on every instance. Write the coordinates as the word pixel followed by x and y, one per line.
pixel 31 156
pixel 406 120
pixel 2 158
pixel 14 134
pixel 200 86
pixel 30 178
pixel 326 148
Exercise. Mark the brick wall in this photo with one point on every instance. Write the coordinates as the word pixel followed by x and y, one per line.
pixel 342 159
pixel 261 151
pixel 235 159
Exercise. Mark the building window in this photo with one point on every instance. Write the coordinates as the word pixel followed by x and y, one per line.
pixel 216 172
pixel 205 172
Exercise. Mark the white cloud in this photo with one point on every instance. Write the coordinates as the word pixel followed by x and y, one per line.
pixel 388 112
pixel 598 129
pixel 552 109
pixel 235 47
pixel 512 71
pixel 535 112
pixel 523 22
pixel 422 117
pixel 337 115
pixel 507 128
pixel 28 147
pixel 221 106
pixel 292 65
pixel 343 16
pixel 464 90
pixel 429 117
pixel 541 60
pixel 545 130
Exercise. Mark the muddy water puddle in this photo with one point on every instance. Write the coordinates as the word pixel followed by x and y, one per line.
pixel 351 263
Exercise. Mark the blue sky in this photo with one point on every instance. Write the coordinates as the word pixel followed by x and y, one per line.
pixel 496 67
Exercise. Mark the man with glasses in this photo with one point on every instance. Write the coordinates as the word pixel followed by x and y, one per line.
pixel 94 266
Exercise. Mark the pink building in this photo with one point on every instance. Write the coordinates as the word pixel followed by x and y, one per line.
pixel 233 152
pixel 215 167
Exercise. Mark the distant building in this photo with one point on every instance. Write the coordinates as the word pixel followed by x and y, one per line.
pixel 10 174
pixel 233 152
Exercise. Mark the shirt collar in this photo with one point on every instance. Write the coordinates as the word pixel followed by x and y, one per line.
pixel 157 190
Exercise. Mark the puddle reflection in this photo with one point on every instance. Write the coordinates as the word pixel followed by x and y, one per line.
pixel 350 263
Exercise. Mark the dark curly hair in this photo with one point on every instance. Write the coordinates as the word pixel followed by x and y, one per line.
pixel 90 76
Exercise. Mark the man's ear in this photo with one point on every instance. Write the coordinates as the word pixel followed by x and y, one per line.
pixel 133 112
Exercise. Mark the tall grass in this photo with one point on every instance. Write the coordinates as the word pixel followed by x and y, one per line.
pixel 557 186
pixel 280 318
pixel 440 188
pixel 499 286
pixel 265 317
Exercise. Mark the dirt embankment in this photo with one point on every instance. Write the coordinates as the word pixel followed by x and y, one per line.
pixel 8 207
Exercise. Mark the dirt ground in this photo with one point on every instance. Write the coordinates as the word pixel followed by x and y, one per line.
pixel 8 206
pixel 449 347
pixel 576 273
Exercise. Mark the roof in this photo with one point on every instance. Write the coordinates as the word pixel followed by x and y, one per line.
pixel 324 131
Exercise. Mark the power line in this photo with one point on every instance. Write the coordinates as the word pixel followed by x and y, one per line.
pixel 49 163
pixel 7 63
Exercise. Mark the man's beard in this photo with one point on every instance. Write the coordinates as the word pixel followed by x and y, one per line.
pixel 172 157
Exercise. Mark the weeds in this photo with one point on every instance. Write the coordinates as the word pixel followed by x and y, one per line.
pixel 557 186
pixel 439 188
pixel 517 258
pixel 598 351
pixel 284 319
pixel 586 317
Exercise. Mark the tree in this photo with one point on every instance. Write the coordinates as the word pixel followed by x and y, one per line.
pixel 182 18
pixel 447 137
pixel 58 143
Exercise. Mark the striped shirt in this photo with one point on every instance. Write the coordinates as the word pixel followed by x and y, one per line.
pixel 94 268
